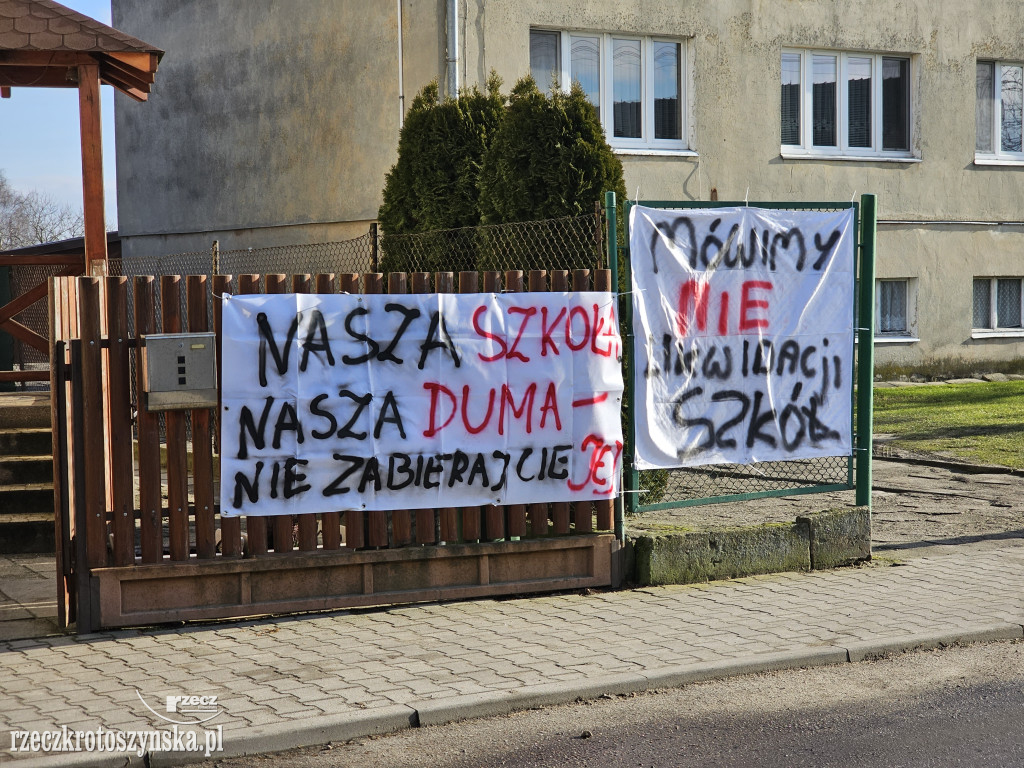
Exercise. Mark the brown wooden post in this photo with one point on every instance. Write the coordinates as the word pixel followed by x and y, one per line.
pixel 122 495
pixel 560 509
pixel 355 519
pixel 282 525
pixel 448 517
pixel 494 515
pixel 401 519
pixel 583 512
pixel 174 427
pixel 230 527
pixel 147 425
pixel 307 522
pixel 202 448
pixel 330 522
pixel 377 531
pixel 92 169
pixel 92 427
pixel 58 407
pixel 427 520
pixel 516 512
pixel 604 508
pixel 255 525
pixel 538 513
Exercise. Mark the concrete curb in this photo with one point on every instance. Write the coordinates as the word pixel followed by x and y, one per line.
pixel 343 727
pixel 965 468
pixel 303 733
pixel 926 641
pixel 769 662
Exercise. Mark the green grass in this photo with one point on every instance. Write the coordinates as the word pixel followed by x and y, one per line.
pixel 975 422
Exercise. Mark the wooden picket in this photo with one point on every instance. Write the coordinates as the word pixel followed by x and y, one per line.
pixel 135 502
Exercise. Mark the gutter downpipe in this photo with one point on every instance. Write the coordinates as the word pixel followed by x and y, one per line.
pixel 453 48
pixel 401 78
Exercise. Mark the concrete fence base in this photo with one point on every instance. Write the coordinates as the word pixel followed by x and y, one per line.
pixel 825 539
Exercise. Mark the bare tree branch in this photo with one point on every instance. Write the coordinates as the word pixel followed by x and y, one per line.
pixel 29 219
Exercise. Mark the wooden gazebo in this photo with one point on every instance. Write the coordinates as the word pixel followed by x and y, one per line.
pixel 46 45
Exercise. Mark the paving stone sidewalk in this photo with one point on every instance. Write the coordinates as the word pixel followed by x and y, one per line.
pixel 285 682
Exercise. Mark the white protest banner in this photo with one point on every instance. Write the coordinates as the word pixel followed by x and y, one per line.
pixel 743 319
pixel 336 402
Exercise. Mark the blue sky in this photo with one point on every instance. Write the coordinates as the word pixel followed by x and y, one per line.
pixel 39 140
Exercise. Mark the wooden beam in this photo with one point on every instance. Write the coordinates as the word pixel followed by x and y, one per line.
pixel 136 94
pixel 36 77
pixel 92 169
pixel 23 302
pixel 43 259
pixel 45 58
pixel 137 77
pixel 144 62
pixel 5 91
pixel 9 376
pixel 27 335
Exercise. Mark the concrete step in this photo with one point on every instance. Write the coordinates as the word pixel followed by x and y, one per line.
pixel 26 441
pixel 25 469
pixel 24 409
pixel 26 498
pixel 23 533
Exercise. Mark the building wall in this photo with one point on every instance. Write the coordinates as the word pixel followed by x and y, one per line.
pixel 269 124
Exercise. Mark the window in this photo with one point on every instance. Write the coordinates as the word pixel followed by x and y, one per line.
pixel 891 307
pixel 1000 108
pixel 997 304
pixel 845 104
pixel 636 83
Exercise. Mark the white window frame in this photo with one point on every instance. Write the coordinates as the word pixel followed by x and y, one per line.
pixel 998 156
pixel 993 330
pixel 647 144
pixel 842 151
pixel 909 334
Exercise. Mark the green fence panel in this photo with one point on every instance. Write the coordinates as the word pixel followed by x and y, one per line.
pixel 667 489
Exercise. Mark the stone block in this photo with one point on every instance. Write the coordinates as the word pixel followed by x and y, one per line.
pixel 677 558
pixel 693 557
pixel 769 548
pixel 838 536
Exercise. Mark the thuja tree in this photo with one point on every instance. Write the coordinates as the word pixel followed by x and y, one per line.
pixel 434 185
pixel 549 160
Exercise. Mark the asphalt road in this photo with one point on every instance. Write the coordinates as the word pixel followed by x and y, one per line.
pixel 949 707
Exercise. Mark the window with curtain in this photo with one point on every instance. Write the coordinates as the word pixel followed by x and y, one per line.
pixel 637 83
pixel 845 104
pixel 997 303
pixel 891 307
pixel 544 58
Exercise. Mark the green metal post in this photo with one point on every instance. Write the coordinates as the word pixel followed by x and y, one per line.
pixel 866 348
pixel 631 475
pixel 612 247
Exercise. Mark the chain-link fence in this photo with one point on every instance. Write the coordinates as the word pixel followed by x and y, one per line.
pixel 355 255
pixel 573 242
pixel 702 485
pixel 35 317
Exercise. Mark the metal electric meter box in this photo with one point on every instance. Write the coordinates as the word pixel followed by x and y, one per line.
pixel 181 371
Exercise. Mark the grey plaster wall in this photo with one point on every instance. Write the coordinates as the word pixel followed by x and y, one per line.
pixel 274 120
pixel 265 115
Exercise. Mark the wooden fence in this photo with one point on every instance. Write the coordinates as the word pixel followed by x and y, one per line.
pixel 140 538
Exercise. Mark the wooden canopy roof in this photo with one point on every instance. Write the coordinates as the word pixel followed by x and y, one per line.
pixel 42 44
